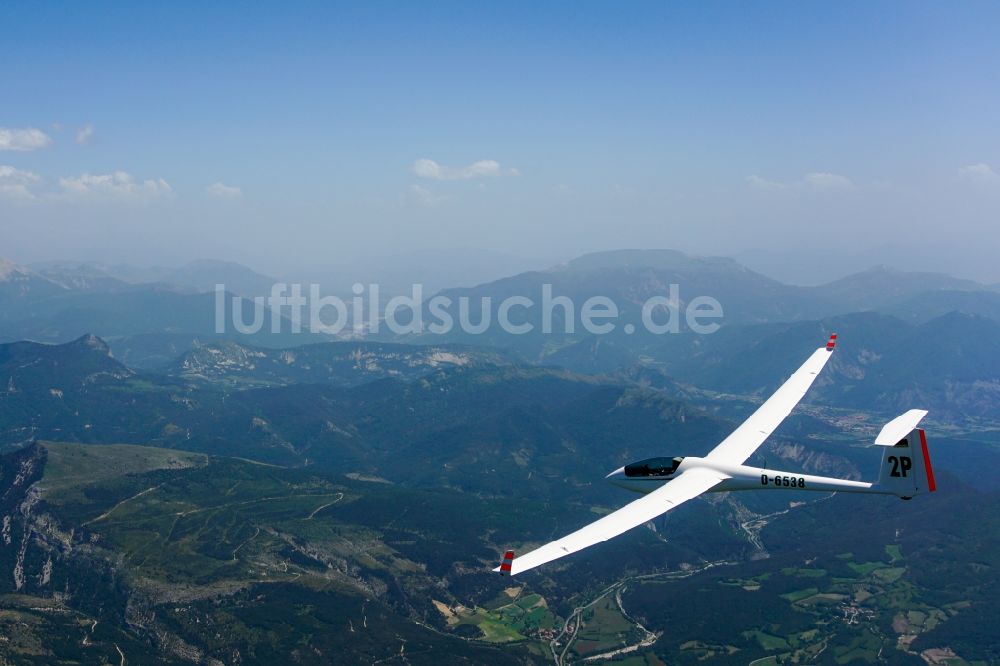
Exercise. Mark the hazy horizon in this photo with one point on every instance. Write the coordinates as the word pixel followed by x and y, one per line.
pixel 808 141
pixel 442 268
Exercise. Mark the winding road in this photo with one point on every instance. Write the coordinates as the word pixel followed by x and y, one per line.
pixel 575 620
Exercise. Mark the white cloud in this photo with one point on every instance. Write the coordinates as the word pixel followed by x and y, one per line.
pixel 85 134
pixel 117 185
pixel 979 173
pixel 823 180
pixel 224 191
pixel 759 183
pixel 23 140
pixel 624 191
pixel 814 180
pixel 482 169
pixel 424 197
pixel 17 184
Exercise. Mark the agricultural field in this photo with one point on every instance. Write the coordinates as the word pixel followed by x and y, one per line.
pixel 512 616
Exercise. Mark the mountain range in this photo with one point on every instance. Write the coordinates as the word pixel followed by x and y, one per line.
pixel 629 278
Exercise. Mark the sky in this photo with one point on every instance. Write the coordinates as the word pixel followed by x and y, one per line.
pixel 807 138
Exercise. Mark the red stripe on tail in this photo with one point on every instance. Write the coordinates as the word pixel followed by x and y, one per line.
pixel 931 486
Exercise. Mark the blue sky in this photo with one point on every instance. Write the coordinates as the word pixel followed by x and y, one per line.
pixel 289 137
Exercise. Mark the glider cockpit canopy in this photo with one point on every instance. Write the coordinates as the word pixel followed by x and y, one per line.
pixel 653 467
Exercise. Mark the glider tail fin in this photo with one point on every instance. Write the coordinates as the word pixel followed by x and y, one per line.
pixel 906 462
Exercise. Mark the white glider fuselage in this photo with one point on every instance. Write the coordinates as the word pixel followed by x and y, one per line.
pixel 744 477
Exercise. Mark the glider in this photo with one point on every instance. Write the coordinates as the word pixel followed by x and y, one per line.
pixel 669 482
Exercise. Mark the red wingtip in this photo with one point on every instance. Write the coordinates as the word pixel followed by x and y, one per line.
pixel 832 342
pixel 508 559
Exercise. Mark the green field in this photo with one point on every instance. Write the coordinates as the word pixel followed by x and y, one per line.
pixel 603 628
pixel 508 618
pixel 799 595
pixel 804 573
pixel 75 466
